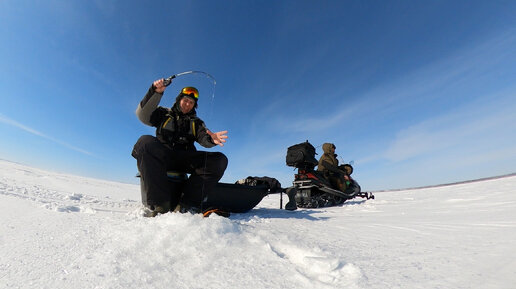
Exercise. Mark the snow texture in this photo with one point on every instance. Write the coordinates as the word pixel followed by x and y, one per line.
pixel 63 231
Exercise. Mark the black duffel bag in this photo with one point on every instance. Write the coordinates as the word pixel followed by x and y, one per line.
pixel 301 156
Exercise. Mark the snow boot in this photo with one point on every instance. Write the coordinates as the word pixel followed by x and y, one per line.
pixel 154 210
pixel 291 205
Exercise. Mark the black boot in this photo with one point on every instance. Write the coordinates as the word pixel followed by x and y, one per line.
pixel 291 205
pixel 154 210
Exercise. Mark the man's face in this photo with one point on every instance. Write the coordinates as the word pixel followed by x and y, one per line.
pixel 186 104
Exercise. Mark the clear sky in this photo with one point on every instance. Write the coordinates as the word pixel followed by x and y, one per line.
pixel 414 92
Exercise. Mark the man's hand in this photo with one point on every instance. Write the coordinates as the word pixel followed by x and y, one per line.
pixel 218 138
pixel 159 87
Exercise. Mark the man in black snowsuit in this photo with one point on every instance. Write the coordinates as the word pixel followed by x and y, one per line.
pixel 173 149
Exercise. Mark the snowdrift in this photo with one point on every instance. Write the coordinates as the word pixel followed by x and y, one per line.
pixel 63 231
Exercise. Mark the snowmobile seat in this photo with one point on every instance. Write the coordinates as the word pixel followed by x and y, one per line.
pixel 313 175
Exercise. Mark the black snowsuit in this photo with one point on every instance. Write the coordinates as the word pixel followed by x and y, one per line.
pixel 173 150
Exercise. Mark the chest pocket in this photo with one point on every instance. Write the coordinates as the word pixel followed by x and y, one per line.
pixel 179 129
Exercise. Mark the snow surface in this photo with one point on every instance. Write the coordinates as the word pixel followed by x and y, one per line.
pixel 63 231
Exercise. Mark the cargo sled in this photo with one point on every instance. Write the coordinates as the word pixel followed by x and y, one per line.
pixel 233 198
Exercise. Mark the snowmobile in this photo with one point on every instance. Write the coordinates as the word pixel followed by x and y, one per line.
pixel 311 188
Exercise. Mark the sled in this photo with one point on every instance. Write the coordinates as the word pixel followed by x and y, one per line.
pixel 233 198
pixel 237 198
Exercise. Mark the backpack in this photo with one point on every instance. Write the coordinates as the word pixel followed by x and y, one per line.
pixel 301 156
pixel 272 184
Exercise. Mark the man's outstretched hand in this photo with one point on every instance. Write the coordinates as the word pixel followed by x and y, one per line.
pixel 218 138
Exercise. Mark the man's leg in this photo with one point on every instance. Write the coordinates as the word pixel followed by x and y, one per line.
pixel 151 155
pixel 208 168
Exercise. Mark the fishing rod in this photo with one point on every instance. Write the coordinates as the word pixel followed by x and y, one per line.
pixel 167 81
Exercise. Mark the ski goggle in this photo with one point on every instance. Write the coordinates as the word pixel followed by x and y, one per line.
pixel 190 91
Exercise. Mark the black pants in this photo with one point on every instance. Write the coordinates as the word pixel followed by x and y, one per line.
pixel 154 160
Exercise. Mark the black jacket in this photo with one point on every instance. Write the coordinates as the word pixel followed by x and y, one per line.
pixel 173 128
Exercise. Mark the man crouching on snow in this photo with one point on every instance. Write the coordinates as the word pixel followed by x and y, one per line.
pixel 173 149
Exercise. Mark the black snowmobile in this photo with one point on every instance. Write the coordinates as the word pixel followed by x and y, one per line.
pixel 311 189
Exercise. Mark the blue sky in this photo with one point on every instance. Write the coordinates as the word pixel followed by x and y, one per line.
pixel 414 92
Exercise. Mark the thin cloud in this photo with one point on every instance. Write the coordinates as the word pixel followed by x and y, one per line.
pixel 449 76
pixel 11 122
pixel 470 127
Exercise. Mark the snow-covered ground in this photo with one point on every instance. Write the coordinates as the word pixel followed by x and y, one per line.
pixel 63 231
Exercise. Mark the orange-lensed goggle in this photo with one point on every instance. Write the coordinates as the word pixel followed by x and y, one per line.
pixel 190 91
